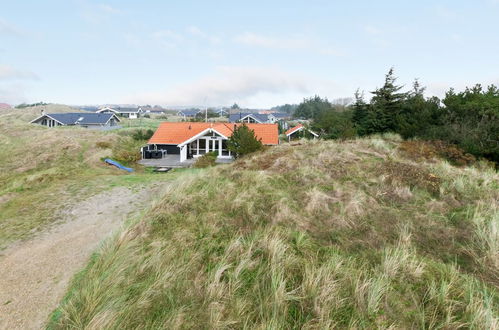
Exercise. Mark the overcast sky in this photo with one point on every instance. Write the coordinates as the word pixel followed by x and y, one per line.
pixel 255 53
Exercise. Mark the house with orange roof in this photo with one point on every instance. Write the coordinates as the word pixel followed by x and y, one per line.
pixel 300 131
pixel 190 140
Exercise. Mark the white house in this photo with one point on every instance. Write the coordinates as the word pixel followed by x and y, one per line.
pixel 131 113
pixel 194 139
pixel 300 130
pixel 87 120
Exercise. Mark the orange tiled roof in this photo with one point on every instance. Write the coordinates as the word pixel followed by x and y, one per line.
pixel 293 129
pixel 176 133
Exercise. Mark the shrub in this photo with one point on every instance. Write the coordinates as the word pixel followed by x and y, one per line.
pixel 425 150
pixel 127 150
pixel 103 144
pixel 207 160
pixel 243 141
pixel 142 135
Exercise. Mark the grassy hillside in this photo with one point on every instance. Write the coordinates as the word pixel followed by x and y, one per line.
pixel 43 171
pixel 314 235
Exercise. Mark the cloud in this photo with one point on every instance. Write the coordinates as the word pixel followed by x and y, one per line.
pixel 167 38
pixel 227 85
pixel 172 39
pixel 252 39
pixel 197 32
pixel 372 30
pixel 108 9
pixel 445 12
pixel 13 94
pixel 456 37
pixel 10 29
pixel 376 36
pixel 97 13
pixel 167 34
pixel 297 42
pixel 9 73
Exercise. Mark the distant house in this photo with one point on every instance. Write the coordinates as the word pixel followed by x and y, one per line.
pixel 280 118
pixel 87 120
pixel 300 131
pixel 276 116
pixel 194 139
pixel 5 106
pixel 221 112
pixel 249 117
pixel 156 112
pixel 188 113
pixel 260 118
pixel 131 113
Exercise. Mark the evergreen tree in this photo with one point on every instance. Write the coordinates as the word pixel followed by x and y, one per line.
pixel 243 141
pixel 417 113
pixel 311 108
pixel 385 106
pixel 360 109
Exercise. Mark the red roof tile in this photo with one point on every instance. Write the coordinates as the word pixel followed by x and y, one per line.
pixel 176 133
pixel 293 129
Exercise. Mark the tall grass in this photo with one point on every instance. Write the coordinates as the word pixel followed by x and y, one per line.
pixel 43 171
pixel 319 235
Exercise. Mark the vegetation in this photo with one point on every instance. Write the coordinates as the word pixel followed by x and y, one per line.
pixel 142 135
pixel 286 108
pixel 312 108
pixel 352 234
pixel 243 141
pixel 45 171
pixel 468 119
pixel 206 160
pixel 25 105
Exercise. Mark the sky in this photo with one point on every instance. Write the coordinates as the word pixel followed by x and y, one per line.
pixel 255 53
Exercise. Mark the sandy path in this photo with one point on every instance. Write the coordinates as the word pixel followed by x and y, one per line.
pixel 35 274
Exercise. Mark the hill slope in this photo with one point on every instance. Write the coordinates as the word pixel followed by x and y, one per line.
pixel 44 171
pixel 316 235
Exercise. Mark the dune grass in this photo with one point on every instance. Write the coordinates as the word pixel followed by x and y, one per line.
pixel 44 171
pixel 312 235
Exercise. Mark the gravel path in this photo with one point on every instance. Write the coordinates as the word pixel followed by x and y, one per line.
pixel 35 274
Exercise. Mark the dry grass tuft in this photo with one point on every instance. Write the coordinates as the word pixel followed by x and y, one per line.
pixel 315 235
pixel 431 150
pixel 411 175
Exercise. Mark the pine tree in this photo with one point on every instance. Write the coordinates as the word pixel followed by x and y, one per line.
pixel 386 105
pixel 243 141
pixel 417 112
pixel 360 109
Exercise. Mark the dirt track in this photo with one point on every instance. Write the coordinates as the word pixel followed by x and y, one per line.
pixel 34 274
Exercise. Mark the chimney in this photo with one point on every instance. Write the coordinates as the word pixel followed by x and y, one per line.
pixel 43 111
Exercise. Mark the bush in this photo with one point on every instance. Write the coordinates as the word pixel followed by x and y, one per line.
pixel 103 144
pixel 335 125
pixel 243 141
pixel 142 135
pixel 127 151
pixel 424 150
pixel 207 160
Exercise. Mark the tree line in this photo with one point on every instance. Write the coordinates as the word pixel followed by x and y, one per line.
pixel 469 119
